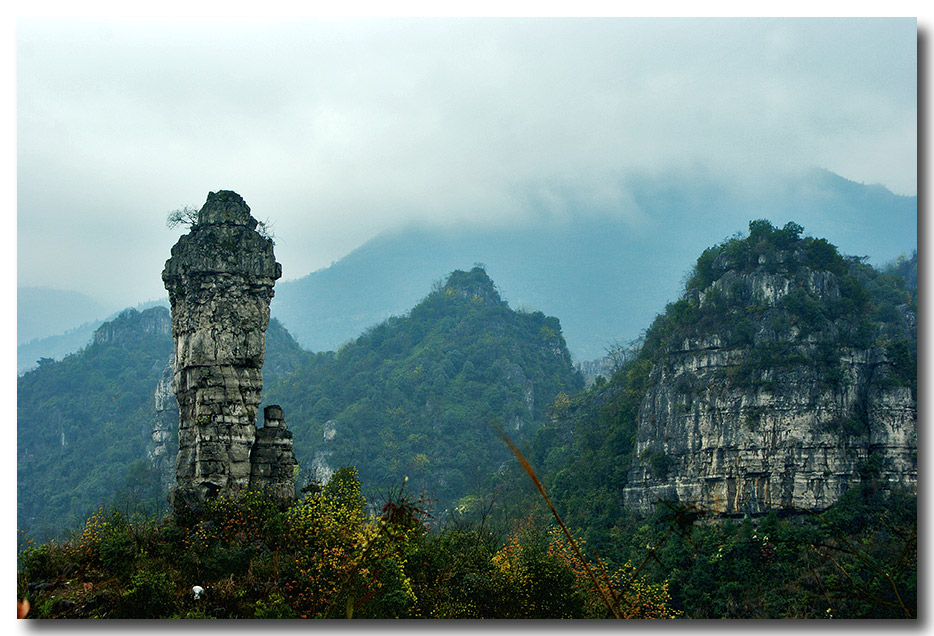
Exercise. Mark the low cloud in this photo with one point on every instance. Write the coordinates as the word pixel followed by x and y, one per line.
pixel 336 130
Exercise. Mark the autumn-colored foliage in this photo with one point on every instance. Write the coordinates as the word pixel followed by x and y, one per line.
pixel 334 554
pixel 330 555
pixel 634 595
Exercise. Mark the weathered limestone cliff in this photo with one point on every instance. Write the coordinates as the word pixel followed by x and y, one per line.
pixel 220 281
pixel 131 324
pixel 792 441
pixel 772 405
pixel 163 446
pixel 273 466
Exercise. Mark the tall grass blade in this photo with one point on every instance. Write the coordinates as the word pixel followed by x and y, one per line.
pixel 614 609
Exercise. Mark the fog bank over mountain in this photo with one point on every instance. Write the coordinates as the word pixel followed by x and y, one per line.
pixel 338 130
pixel 603 275
pixel 604 269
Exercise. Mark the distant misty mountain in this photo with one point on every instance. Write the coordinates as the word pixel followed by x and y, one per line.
pixel 58 345
pixel 605 275
pixel 55 347
pixel 42 312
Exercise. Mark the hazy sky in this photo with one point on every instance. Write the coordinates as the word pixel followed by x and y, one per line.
pixel 335 130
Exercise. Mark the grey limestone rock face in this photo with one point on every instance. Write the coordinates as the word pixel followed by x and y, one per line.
pixel 273 466
pixel 220 280
pixel 733 442
pixel 794 442
pixel 163 446
pixel 152 321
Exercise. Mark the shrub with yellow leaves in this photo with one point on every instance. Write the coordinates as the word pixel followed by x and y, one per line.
pixel 633 595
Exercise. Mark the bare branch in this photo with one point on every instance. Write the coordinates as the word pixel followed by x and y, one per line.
pixel 186 216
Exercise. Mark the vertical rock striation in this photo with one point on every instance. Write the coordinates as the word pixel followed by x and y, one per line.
pixel 163 447
pixel 220 281
pixel 778 382
pixel 790 439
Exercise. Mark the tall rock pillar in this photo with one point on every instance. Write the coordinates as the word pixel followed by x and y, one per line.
pixel 220 281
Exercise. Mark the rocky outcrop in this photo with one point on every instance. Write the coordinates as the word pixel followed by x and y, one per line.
pixel 273 467
pixel 790 440
pixel 130 324
pixel 163 445
pixel 590 369
pixel 220 281
pixel 769 401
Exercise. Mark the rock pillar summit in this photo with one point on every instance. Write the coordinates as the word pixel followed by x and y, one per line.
pixel 220 281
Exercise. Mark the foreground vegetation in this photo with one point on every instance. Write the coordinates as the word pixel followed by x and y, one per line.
pixel 328 556
pixel 333 555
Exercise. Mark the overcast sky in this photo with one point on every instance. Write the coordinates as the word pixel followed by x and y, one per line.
pixel 334 130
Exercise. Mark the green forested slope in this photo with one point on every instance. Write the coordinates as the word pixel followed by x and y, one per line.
pixel 83 424
pixel 416 396
pixel 420 396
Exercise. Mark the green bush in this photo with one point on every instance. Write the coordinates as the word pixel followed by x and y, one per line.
pixel 274 607
pixel 118 550
pixel 151 595
pixel 41 562
pixel 660 463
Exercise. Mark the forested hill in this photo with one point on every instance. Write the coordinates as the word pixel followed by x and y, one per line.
pixel 414 396
pixel 768 324
pixel 84 424
pixel 420 395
